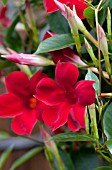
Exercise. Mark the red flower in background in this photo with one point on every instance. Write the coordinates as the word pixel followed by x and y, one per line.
pixel 64 55
pixel 65 98
pixel 4 20
pixel 80 5
pixel 19 103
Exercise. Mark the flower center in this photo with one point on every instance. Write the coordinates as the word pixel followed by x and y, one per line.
pixel 33 102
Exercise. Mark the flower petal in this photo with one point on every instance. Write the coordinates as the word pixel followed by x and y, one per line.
pixel 66 75
pixel 56 116
pixel 49 92
pixel 50 6
pixel 23 124
pixel 85 92
pixel 76 118
pixel 18 84
pixel 35 79
pixel 39 110
pixel 10 106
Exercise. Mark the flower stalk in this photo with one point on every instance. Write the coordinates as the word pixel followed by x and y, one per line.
pixel 91 53
pixel 51 148
pixel 92 113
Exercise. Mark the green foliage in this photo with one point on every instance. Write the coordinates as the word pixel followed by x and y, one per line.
pixel 55 43
pixel 58 23
pixel 73 136
pixel 85 159
pixel 12 36
pixel 66 160
pixel 103 12
pixel 5 155
pixel 107 122
pixel 26 157
pixel 91 76
pixel 109 145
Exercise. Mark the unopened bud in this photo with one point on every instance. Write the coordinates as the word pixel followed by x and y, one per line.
pixel 28 59
pixel 91 53
pixel 74 28
pixel 104 47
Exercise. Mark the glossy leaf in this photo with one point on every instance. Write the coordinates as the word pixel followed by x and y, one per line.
pixel 85 158
pixel 5 155
pixel 72 136
pixel 107 122
pixel 103 12
pixel 89 13
pixel 58 23
pixel 91 76
pixel 55 43
pixel 26 157
pixel 109 145
pixel 66 160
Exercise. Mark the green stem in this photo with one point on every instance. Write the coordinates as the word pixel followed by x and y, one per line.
pixel 104 156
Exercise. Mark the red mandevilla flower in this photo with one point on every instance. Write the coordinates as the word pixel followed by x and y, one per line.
pixel 80 5
pixel 19 103
pixel 65 98
pixel 64 55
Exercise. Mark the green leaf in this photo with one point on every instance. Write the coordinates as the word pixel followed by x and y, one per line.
pixel 102 14
pixel 85 158
pixel 5 64
pixel 103 168
pixel 4 135
pixel 109 145
pixel 12 36
pixel 58 23
pixel 26 157
pixel 5 155
pixel 89 13
pixel 73 136
pixel 107 122
pixel 66 160
pixel 4 2
pixel 55 43
pixel 91 76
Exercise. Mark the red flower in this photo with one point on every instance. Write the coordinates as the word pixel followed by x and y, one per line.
pixel 19 103
pixel 80 5
pixel 64 55
pixel 66 98
pixel 4 20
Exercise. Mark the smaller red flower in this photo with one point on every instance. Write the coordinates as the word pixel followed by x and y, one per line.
pixel 80 6
pixel 20 103
pixel 4 20
pixel 66 98
pixel 64 55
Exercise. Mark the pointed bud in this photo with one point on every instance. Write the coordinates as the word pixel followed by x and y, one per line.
pixel 80 24
pixel 28 59
pixel 104 47
pixel 83 29
pixel 91 53
pixel 74 28
pixel 61 8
